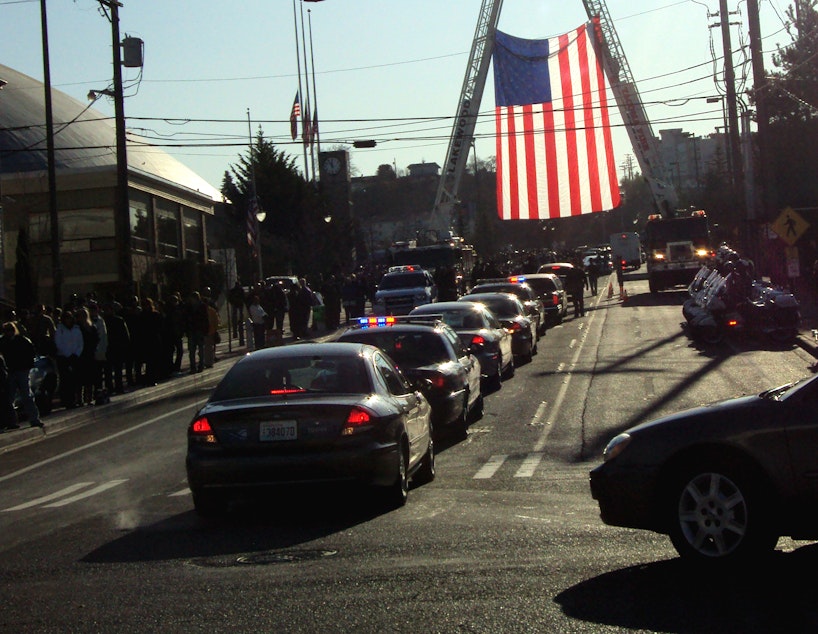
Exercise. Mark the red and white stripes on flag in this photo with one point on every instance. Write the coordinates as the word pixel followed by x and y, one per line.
pixel 555 156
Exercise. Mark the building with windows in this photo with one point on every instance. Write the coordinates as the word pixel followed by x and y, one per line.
pixel 169 204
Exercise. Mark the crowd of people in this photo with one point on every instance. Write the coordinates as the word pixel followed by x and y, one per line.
pixel 102 348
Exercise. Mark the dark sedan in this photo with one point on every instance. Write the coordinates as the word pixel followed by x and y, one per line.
pixel 310 413
pixel 723 481
pixel 431 354
pixel 550 290
pixel 480 332
pixel 511 313
pixel 517 285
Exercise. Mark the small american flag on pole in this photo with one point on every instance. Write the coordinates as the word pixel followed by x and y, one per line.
pixel 295 113
pixel 555 157
pixel 252 225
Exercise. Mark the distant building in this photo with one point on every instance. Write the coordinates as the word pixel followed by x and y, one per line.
pixel 168 203
pixel 423 169
pixel 690 158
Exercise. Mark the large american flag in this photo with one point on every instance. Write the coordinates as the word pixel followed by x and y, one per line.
pixel 554 152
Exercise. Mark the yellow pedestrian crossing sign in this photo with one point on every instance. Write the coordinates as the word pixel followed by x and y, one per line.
pixel 790 226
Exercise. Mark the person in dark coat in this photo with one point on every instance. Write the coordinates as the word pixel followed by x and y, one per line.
pixel 237 300
pixel 152 327
pixel 196 325
pixel 331 291
pixel 19 353
pixel 8 417
pixel 575 284
pixel 119 343
pixel 87 362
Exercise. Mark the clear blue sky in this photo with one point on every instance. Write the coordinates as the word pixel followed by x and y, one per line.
pixel 384 69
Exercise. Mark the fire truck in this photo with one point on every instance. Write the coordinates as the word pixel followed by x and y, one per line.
pixel 676 248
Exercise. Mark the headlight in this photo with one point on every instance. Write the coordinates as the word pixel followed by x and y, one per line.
pixel 658 255
pixel 616 446
pixel 702 253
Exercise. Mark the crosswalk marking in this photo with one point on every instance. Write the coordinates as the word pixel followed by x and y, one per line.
pixel 47 498
pixel 529 465
pixel 85 494
pixel 490 468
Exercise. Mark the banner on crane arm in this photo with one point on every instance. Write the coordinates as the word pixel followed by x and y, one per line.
pixel 555 156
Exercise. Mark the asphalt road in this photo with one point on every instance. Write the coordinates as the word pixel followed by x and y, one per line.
pixel 99 534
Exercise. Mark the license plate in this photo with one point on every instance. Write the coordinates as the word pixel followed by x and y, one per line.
pixel 275 431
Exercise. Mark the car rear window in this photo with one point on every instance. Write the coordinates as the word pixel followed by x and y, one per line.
pixel 410 349
pixel 252 378
pixel 542 285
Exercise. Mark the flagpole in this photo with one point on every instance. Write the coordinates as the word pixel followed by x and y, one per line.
pixel 300 91
pixel 305 112
pixel 255 208
pixel 315 129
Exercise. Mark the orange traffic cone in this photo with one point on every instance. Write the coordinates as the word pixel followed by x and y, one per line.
pixel 610 290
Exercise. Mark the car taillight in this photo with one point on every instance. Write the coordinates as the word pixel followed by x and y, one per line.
pixel 201 431
pixel 732 323
pixel 358 420
pixel 514 326
pixel 478 340
pixel 555 299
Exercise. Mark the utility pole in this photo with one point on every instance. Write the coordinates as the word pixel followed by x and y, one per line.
pixel 122 212
pixel 768 195
pixel 56 268
pixel 730 93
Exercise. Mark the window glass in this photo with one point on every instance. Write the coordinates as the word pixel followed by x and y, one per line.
pixel 167 227
pixel 192 227
pixel 75 224
pixel 141 221
pixel 395 382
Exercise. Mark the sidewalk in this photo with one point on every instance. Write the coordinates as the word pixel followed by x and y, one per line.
pixel 60 419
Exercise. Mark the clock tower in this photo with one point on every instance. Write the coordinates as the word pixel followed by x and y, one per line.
pixel 336 190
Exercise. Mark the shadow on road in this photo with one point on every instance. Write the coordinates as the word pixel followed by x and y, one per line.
pixel 668 596
pixel 253 527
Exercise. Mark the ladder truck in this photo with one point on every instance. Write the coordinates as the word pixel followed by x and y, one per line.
pixel 468 107
pixel 623 86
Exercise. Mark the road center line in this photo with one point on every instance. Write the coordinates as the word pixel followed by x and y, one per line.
pixel 566 383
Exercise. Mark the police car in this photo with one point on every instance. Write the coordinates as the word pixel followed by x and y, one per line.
pixel 428 352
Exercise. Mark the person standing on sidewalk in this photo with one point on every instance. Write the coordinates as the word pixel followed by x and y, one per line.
pixel 19 353
pixel 8 417
pixel 237 301
pixel 258 317
pixel 196 326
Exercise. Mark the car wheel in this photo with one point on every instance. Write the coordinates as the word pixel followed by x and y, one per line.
pixel 426 470
pixel 208 504
pixel 395 495
pixel 719 516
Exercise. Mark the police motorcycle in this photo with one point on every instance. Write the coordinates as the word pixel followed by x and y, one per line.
pixel 728 301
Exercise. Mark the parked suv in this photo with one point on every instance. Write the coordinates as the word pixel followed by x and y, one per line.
pixel 402 289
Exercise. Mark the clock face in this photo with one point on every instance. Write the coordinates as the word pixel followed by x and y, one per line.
pixel 332 165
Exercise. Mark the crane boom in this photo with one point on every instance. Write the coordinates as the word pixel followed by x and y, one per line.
pixel 645 144
pixel 471 94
